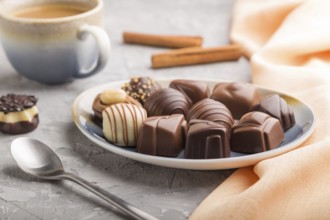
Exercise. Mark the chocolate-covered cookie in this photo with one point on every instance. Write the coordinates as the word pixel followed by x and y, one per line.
pixel 278 108
pixel 193 90
pixel 140 88
pixel 18 114
pixel 238 97
pixel 211 110
pixel 167 101
pixel 162 135
pixel 207 140
pixel 256 132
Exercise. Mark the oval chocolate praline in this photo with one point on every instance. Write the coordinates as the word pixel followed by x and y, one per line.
pixel 278 108
pixel 192 89
pixel 121 123
pixel 238 97
pixel 167 101
pixel 211 110
pixel 99 106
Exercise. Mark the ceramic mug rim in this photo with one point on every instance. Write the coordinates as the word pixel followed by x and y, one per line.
pixel 8 16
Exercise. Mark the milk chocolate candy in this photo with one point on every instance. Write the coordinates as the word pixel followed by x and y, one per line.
pixel 162 135
pixel 18 114
pixel 256 132
pixel 110 97
pixel 207 140
pixel 211 110
pixel 238 97
pixel 278 108
pixel 166 101
pixel 193 90
pixel 121 123
pixel 140 88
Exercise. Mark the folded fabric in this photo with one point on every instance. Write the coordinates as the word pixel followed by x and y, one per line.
pixel 288 44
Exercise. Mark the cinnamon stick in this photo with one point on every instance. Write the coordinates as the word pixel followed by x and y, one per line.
pixel 170 41
pixel 196 55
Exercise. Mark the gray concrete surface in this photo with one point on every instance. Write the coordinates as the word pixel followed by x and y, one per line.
pixel 163 192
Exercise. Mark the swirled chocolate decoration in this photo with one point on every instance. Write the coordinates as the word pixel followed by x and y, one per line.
pixel 166 101
pixel 193 90
pixel 238 97
pixel 211 110
pixel 162 135
pixel 140 88
pixel 278 108
pixel 256 132
pixel 16 103
pixel 121 123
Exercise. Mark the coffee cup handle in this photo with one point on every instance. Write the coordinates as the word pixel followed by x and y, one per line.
pixel 103 43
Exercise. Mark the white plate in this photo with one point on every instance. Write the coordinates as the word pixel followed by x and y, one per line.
pixel 83 118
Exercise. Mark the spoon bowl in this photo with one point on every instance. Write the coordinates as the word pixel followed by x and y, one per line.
pixel 37 159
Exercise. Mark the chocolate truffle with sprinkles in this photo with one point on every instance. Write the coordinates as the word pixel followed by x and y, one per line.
pixel 18 113
pixel 140 88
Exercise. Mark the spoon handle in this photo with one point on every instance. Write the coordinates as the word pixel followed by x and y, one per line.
pixel 110 198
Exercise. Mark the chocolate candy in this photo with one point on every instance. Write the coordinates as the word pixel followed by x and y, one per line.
pixel 162 135
pixel 140 88
pixel 208 109
pixel 109 97
pixel 166 101
pixel 16 103
pixel 18 114
pixel 238 97
pixel 193 90
pixel 207 140
pixel 256 132
pixel 277 107
pixel 121 123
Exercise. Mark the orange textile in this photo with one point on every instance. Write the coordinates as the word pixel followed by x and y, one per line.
pixel 288 44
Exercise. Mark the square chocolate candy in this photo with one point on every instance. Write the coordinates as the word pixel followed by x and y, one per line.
pixel 162 135
pixel 256 132
pixel 207 140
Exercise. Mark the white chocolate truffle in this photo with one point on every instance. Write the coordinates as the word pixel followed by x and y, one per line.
pixel 121 123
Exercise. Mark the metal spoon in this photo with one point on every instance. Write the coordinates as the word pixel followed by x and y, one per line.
pixel 37 159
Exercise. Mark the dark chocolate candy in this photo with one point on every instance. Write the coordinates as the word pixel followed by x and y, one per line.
pixel 238 97
pixel 256 132
pixel 193 90
pixel 20 127
pixel 278 108
pixel 16 103
pixel 207 140
pixel 140 88
pixel 166 101
pixel 211 110
pixel 162 135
